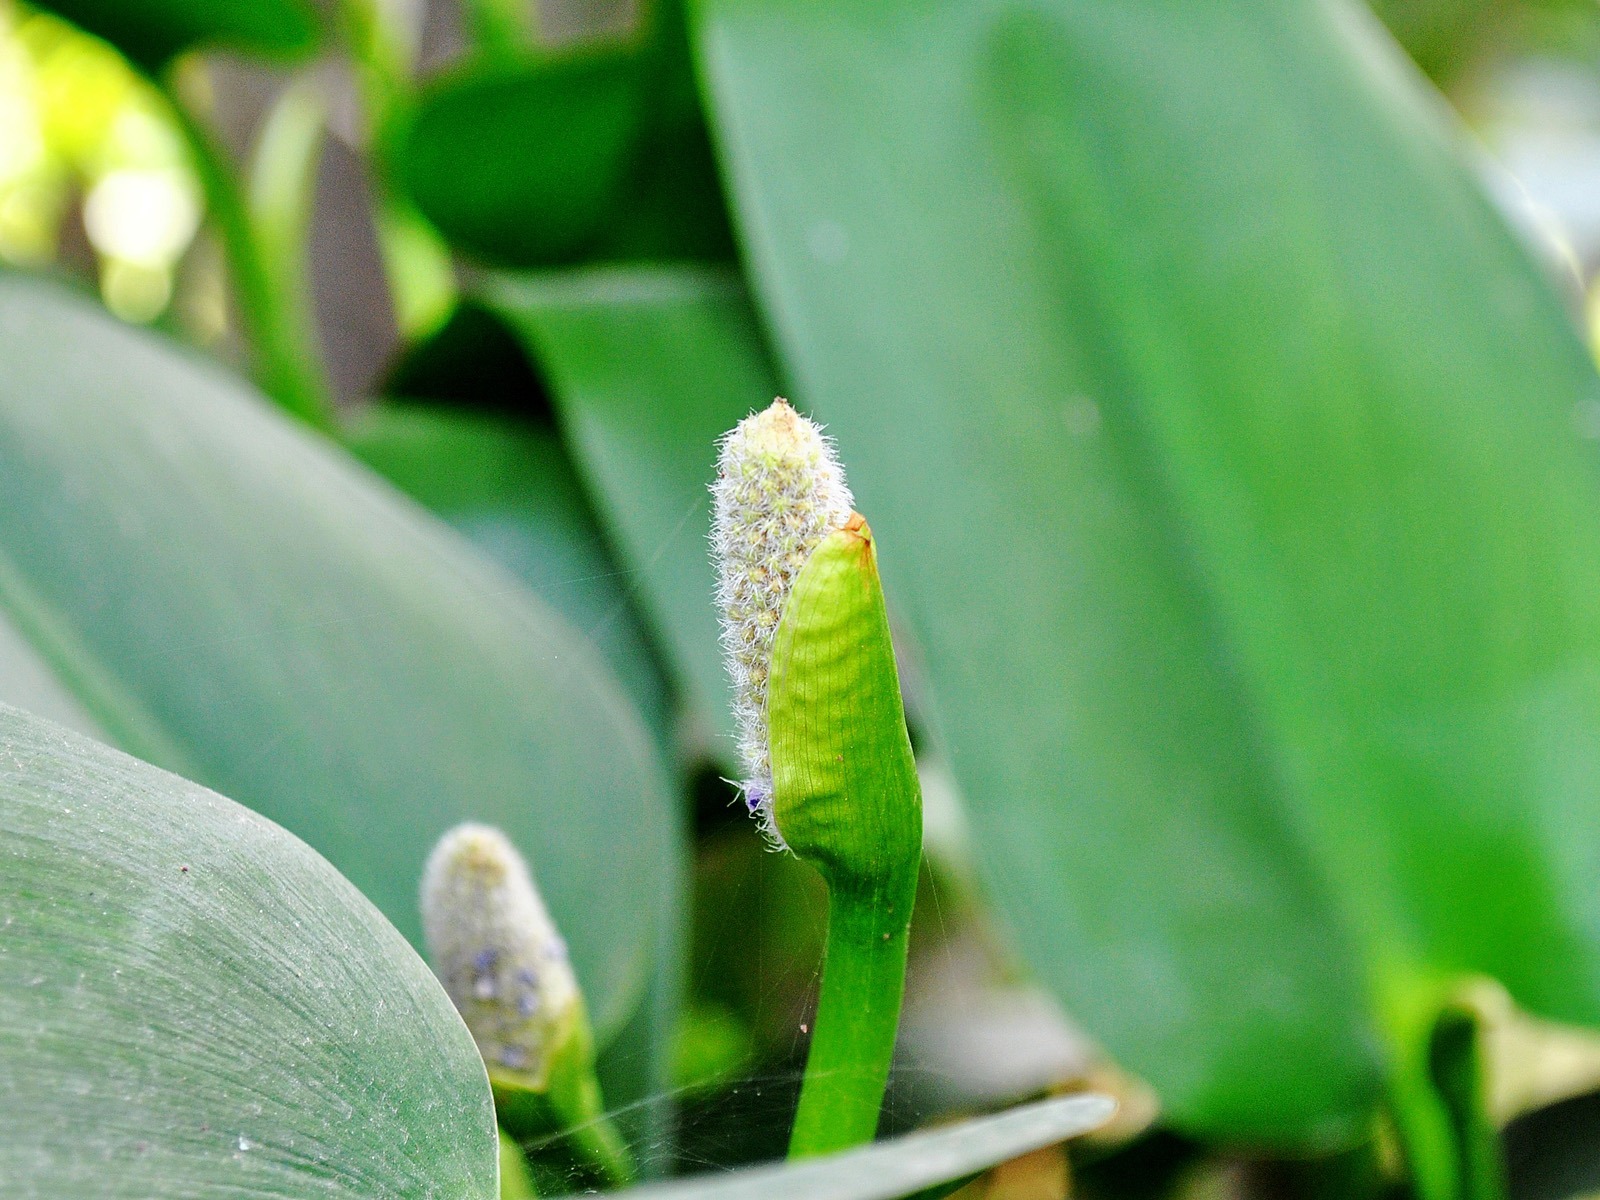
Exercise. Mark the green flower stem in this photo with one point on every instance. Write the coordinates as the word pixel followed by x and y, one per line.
pixel 846 799
pixel 1457 1069
pixel 858 1012
pixel 275 320
pixel 569 1113
pixel 597 1142
pixel 1437 1091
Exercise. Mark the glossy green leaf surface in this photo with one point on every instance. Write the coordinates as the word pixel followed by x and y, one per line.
pixel 508 487
pixel 1222 445
pixel 904 1165
pixel 235 598
pixel 151 31
pixel 648 367
pixel 193 1002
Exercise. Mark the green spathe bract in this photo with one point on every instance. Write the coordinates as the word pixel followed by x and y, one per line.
pixel 195 1003
pixel 846 799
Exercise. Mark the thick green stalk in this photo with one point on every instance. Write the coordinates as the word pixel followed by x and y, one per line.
pixel 846 799
pixel 275 321
pixel 858 1013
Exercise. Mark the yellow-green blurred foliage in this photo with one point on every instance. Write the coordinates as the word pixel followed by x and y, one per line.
pixel 79 126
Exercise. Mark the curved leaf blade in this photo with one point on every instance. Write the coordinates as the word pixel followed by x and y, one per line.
pixel 235 598
pixel 509 488
pixel 193 1002
pixel 899 1167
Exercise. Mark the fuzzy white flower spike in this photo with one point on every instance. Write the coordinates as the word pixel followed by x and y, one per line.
pixel 779 492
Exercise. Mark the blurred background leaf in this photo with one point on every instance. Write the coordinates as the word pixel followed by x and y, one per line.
pixel 230 596
pixel 647 368
pixel 522 163
pixel 1230 483
pixel 533 157
pixel 508 487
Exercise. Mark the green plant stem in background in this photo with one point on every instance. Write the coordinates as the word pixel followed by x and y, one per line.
pixel 281 199
pixel 516 1181
pixel 569 1116
pixel 846 799
pixel 274 319
pixel 1457 1068
pixel 1438 1097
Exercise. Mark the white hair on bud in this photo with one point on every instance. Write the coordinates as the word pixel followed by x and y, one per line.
pixel 495 949
pixel 779 492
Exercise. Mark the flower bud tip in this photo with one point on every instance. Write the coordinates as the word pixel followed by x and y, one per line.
pixel 498 954
pixel 779 491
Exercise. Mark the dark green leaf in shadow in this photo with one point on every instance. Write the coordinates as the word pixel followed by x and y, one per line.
pixel 150 32
pixel 233 597
pixel 522 162
pixel 904 1165
pixel 1224 451
pixel 648 367
pixel 193 1002
pixel 600 152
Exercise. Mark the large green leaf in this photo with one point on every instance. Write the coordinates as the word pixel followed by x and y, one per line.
pixel 1220 442
pixel 648 367
pixel 235 598
pixel 193 1002
pixel 151 31
pixel 510 489
pixel 28 682
pixel 905 1165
